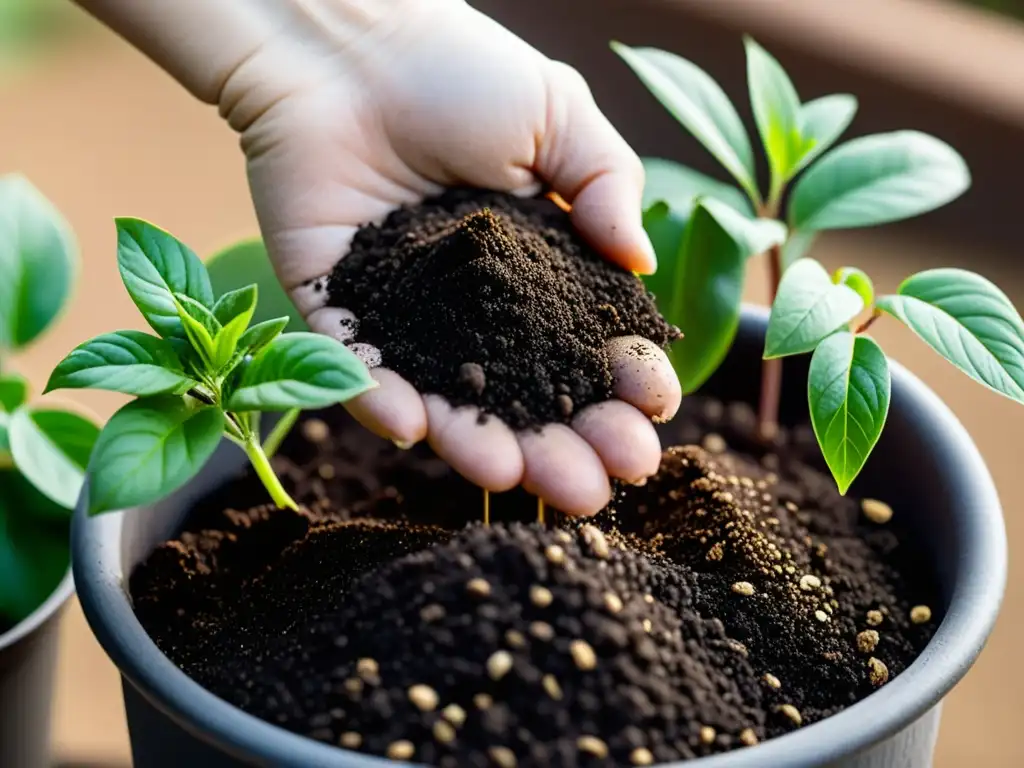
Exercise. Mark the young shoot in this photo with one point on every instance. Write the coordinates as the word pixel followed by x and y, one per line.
pixel 706 231
pixel 210 372
pixel 959 314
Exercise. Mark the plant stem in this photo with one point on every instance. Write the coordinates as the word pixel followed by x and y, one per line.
pixel 261 464
pixel 869 322
pixel 280 432
pixel 771 370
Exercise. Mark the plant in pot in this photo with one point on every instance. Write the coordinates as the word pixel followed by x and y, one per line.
pixel 737 608
pixel 43 453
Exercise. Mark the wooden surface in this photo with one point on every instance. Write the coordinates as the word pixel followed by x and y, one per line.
pixel 104 133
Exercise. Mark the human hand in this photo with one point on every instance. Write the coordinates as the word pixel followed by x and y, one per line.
pixel 433 95
pixel 349 109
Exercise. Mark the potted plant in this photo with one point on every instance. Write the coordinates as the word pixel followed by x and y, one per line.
pixel 745 570
pixel 43 452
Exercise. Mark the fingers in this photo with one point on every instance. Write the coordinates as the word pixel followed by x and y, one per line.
pixel 644 377
pixel 394 410
pixel 561 468
pixel 589 164
pixel 487 454
pixel 339 324
pixel 623 438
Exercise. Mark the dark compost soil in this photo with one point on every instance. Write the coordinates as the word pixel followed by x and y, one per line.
pixel 494 301
pixel 734 598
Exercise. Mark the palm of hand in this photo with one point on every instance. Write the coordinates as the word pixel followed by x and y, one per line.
pixel 355 136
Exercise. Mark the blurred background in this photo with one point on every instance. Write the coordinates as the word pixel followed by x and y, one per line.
pixel 104 133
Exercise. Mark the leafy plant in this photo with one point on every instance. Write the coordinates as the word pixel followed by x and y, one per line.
pixel 705 232
pixel 215 365
pixel 43 449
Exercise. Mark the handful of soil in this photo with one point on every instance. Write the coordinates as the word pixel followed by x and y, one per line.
pixel 495 301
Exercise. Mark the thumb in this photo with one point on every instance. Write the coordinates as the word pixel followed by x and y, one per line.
pixel 591 167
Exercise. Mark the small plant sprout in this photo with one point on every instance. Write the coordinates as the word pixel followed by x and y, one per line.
pixel 960 315
pixel 44 449
pixel 706 231
pixel 210 372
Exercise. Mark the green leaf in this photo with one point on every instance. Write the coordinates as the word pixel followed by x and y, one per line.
pixel 51 449
pixel 878 179
pixel 776 112
pixel 967 320
pixel 131 362
pixel 155 266
pixel 807 308
pixel 5 445
pixel 822 122
pixel 261 334
pixel 300 370
pixel 200 326
pixel 680 186
pixel 13 391
pixel 235 303
pixel 848 389
pixel 149 449
pixel 796 247
pixel 34 546
pixel 245 263
pixel 233 311
pixel 38 262
pixel 858 280
pixel 700 290
pixel 699 103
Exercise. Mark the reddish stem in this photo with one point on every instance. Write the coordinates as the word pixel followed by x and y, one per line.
pixel 771 370
pixel 869 322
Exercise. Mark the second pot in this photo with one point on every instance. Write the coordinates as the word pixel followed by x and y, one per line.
pixel 28 664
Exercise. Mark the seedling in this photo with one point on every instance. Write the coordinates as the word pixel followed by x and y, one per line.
pixel 43 449
pixel 210 372
pixel 706 231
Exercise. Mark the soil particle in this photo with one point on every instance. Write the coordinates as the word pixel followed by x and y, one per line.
pixel 494 301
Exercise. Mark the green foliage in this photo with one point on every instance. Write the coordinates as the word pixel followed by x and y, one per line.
pixel 807 308
pixel 699 103
pixel 967 320
pixel 704 281
pixel 959 314
pixel 131 362
pixel 42 449
pixel 777 113
pixel 38 262
pixel 878 179
pixel 704 234
pixel 848 393
pixel 51 448
pixel 218 365
pixel 150 448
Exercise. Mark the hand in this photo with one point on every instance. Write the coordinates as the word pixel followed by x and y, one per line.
pixel 348 109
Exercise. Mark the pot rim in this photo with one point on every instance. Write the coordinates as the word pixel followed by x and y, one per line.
pixel 47 609
pixel 973 608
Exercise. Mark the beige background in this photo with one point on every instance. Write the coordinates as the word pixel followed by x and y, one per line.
pixel 104 133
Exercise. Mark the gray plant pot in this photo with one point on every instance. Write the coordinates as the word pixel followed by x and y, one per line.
pixel 28 661
pixel 926 466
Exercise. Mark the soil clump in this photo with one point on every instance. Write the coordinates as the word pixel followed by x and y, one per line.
pixel 494 301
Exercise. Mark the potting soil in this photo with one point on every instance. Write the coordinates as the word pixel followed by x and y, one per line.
pixel 494 301
pixel 734 598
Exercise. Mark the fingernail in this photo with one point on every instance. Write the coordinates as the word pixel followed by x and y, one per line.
pixel 648 259
pixel 404 445
pixel 639 483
